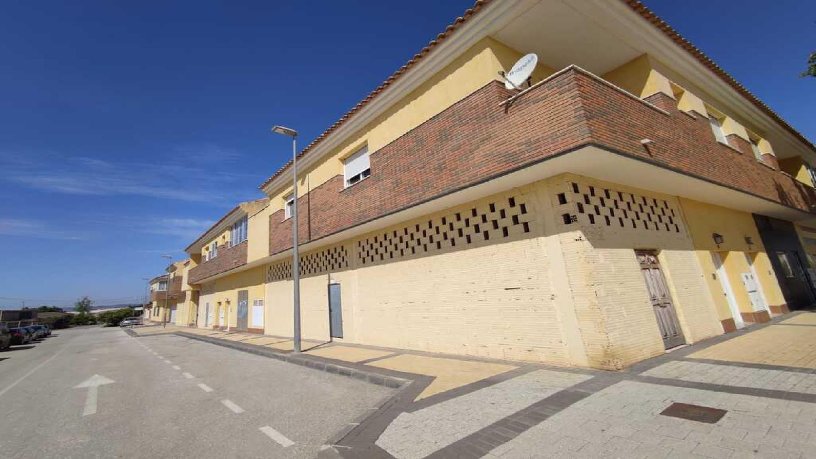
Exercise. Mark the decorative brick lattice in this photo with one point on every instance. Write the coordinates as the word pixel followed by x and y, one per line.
pixel 606 207
pixel 497 220
pixel 322 261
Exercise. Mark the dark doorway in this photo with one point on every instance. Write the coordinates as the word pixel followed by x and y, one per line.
pixel 788 260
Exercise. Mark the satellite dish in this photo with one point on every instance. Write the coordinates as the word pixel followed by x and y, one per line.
pixel 521 70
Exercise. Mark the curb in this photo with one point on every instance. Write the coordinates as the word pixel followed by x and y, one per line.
pixel 305 361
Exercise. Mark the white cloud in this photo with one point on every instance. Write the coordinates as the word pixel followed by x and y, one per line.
pixel 177 178
pixel 34 229
pixel 187 228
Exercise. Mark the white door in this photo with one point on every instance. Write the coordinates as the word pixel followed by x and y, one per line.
pixel 751 286
pixel 206 314
pixel 759 292
pixel 173 315
pixel 221 316
pixel 257 314
pixel 726 286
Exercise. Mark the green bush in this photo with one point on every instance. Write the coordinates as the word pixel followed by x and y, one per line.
pixel 112 318
pixel 83 319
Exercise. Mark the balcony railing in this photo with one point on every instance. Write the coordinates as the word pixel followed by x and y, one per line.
pixel 482 137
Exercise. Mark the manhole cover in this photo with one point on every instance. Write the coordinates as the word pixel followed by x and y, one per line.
pixel 694 413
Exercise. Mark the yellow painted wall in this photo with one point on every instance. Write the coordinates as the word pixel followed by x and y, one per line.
pixel 505 298
pixel 703 221
pixel 225 291
pixel 472 70
pixel 258 234
pixel 639 77
pixel 796 167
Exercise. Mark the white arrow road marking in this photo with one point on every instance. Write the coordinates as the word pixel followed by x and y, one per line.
pixel 278 437
pixel 92 384
pixel 232 406
pixel 205 387
pixel 176 367
pixel 188 375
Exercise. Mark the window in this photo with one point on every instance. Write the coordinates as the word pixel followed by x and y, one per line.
pixel 238 234
pixel 784 263
pixel 755 149
pixel 356 167
pixel 716 128
pixel 162 286
pixel 288 206
pixel 213 250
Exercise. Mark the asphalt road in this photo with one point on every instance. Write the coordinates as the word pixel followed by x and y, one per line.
pixel 166 396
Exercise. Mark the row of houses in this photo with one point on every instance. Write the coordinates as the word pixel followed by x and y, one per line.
pixel 630 198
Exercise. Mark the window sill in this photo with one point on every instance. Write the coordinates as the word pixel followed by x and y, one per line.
pixel 355 183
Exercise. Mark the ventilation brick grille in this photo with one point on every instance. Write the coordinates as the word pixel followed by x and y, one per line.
pixel 493 221
pixel 322 261
pixel 607 207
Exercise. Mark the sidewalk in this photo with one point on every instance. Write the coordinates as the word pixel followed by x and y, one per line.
pixel 746 394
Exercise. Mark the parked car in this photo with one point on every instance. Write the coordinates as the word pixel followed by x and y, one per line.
pixel 34 332
pixel 19 335
pixel 40 330
pixel 47 329
pixel 5 337
pixel 131 321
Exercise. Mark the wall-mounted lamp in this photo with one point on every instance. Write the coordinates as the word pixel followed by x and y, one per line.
pixel 718 239
pixel 647 144
pixel 749 240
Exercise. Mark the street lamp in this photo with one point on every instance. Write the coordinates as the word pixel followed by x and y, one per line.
pixel 147 297
pixel 295 255
pixel 166 293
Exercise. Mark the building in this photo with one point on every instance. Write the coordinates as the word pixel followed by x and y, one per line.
pixel 631 198
pixel 172 299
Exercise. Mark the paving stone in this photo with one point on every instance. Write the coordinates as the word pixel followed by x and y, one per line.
pixel 418 434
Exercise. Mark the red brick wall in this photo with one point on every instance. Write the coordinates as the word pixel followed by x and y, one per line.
pixel 228 258
pixel 477 139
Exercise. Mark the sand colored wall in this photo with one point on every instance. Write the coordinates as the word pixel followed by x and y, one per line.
pixel 489 298
pixel 258 234
pixel 225 291
pixel 706 219
pixel 796 167
pixel 610 295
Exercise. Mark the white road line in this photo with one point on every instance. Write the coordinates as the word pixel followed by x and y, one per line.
pixel 176 367
pixel 278 437
pixel 205 387
pixel 232 406
pixel 188 375
pixel 168 362
pixel 30 372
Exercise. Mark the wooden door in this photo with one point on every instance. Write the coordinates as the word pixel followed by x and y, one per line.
pixel 661 299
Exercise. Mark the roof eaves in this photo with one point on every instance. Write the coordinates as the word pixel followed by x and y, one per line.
pixel 669 31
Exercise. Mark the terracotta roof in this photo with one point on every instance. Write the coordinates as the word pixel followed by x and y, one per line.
pixel 470 12
pixel 636 5
pixel 664 27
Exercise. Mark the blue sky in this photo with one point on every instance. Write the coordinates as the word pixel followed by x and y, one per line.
pixel 129 127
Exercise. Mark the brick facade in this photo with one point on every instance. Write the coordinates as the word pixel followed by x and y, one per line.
pixel 477 139
pixel 173 293
pixel 228 258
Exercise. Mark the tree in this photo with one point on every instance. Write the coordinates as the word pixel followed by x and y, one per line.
pixel 83 306
pixel 811 70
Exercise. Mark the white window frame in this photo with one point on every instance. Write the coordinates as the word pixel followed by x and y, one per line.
pixel 238 232
pixel 162 286
pixel 755 149
pixel 213 250
pixel 288 206
pixel 717 129
pixel 811 173
pixel 356 167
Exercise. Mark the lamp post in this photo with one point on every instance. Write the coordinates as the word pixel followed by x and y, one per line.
pixel 295 255
pixel 147 296
pixel 166 293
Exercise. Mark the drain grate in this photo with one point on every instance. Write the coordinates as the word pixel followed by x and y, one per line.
pixel 694 413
